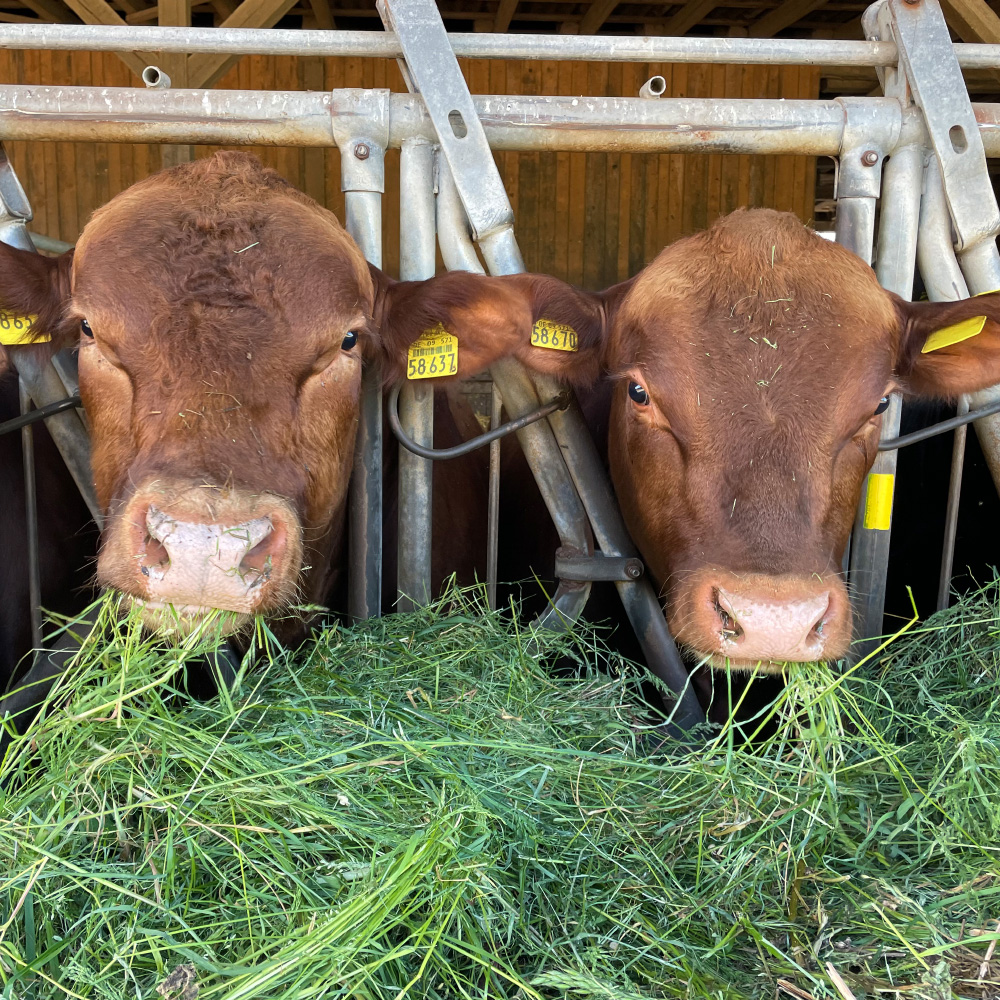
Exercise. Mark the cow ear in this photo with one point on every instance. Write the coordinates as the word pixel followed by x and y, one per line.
pixel 949 348
pixel 545 323
pixel 34 292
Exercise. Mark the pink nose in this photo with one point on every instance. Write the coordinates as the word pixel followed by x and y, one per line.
pixel 754 627
pixel 752 618
pixel 207 565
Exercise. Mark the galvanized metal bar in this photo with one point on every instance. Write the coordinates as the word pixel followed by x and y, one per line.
pixel 31 520
pixel 41 379
pixel 493 510
pixel 362 166
pixel 951 513
pixel 944 281
pixel 417 261
pixel 385 44
pixel 895 264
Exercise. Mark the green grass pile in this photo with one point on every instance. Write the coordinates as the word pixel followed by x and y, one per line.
pixel 419 807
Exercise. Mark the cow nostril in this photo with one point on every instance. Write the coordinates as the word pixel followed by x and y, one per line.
pixel 731 629
pixel 260 559
pixel 154 555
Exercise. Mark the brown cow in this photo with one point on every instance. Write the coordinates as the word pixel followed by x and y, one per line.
pixel 748 367
pixel 222 317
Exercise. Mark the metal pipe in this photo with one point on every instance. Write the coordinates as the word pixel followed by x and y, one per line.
pixel 895 264
pixel 363 218
pixel 951 514
pixel 493 511
pixel 31 520
pixel 408 444
pixel 49 244
pixel 655 86
pixel 967 416
pixel 944 282
pixel 155 79
pixel 304 118
pixel 417 261
pixel 384 44
pixel 26 418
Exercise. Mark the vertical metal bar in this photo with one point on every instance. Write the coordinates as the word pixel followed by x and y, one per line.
pixel 417 261
pixel 895 264
pixel 364 223
pixel 944 282
pixel 493 514
pixel 951 515
pixel 31 521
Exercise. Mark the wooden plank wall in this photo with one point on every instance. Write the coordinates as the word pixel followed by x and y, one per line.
pixel 589 218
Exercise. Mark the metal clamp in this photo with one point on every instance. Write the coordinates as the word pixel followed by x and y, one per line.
pixel 588 569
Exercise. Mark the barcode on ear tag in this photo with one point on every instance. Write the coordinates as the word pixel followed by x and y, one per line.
pixel 554 336
pixel 434 354
pixel 15 330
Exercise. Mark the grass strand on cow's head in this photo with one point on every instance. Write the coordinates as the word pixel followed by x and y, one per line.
pixel 419 806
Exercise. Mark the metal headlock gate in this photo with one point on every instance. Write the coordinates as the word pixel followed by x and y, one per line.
pixel 921 149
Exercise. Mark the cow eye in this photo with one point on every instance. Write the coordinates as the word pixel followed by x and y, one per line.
pixel 85 327
pixel 882 406
pixel 638 394
pixel 349 341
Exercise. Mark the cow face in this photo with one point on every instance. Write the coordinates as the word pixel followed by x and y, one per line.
pixel 750 366
pixel 221 318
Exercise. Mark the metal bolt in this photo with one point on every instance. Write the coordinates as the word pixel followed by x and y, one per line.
pixel 361 151
pixel 634 568
pixel 869 158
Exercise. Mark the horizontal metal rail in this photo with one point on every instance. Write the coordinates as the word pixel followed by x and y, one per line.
pixel 915 437
pixel 309 118
pixel 468 45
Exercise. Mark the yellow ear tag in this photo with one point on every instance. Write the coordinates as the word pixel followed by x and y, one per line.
pixel 14 330
pixel 433 354
pixel 953 334
pixel 554 336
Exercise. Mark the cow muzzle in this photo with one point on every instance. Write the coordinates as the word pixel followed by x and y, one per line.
pixel 748 620
pixel 185 552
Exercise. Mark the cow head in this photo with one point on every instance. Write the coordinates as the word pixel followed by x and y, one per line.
pixel 221 318
pixel 751 364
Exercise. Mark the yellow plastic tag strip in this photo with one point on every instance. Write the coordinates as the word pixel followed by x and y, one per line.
pixel 15 330
pixel 878 502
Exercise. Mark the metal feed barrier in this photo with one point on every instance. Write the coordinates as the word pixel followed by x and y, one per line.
pixel 922 148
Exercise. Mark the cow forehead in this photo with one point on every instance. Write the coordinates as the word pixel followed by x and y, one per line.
pixel 762 316
pixel 219 241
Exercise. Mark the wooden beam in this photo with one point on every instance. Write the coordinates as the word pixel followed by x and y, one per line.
pixel 324 16
pixel 690 14
pixel 783 16
pixel 972 20
pixel 101 12
pixel 205 69
pixel 50 10
pixel 148 16
pixel 174 14
pixel 596 15
pixel 505 12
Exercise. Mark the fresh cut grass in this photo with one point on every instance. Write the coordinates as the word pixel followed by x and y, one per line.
pixel 419 806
